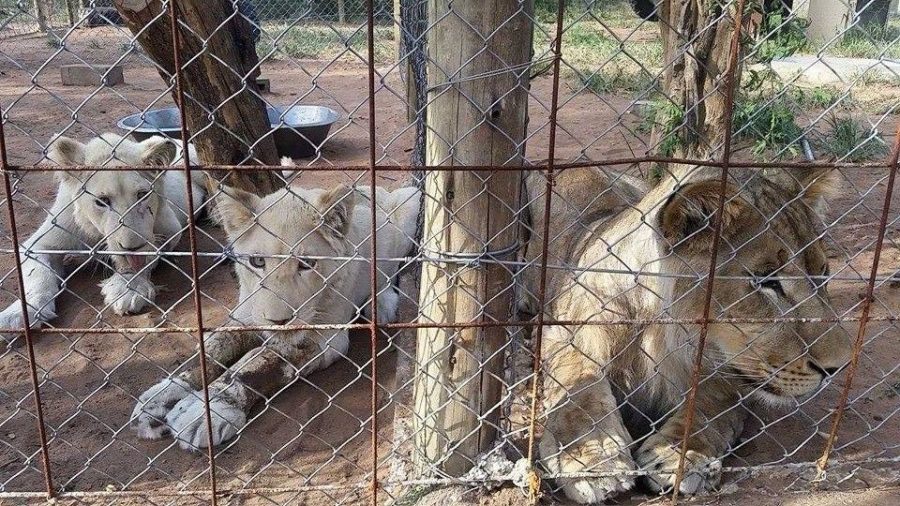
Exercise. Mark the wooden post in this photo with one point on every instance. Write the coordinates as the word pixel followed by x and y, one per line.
pixel 471 121
pixel 40 12
pixel 398 23
pixel 212 82
pixel 342 12
pixel 71 12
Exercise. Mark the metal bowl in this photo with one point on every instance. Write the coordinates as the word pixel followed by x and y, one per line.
pixel 299 129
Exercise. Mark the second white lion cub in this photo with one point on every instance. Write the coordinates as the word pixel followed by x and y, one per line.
pixel 301 256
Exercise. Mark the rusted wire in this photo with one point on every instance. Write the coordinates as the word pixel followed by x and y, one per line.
pixel 373 270
pixel 822 462
pixel 473 168
pixel 192 236
pixel 447 325
pixel 534 491
pixel 26 323
pixel 731 79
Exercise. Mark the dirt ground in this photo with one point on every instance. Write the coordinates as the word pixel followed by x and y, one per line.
pixel 90 382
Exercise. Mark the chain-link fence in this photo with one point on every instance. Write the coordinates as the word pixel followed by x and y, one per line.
pixel 522 251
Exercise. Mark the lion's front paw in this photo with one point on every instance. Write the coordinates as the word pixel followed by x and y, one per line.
pixel 128 295
pixel 11 318
pixel 188 421
pixel 659 458
pixel 149 415
pixel 608 459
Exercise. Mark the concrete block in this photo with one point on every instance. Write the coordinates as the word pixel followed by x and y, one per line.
pixel 91 75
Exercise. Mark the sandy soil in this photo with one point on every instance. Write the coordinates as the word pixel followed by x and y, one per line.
pixel 89 382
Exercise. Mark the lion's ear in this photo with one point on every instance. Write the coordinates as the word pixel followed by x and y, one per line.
pixel 158 151
pixel 686 219
pixel 235 210
pixel 813 185
pixel 66 152
pixel 336 207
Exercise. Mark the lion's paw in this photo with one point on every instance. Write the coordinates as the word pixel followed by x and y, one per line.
pixel 660 461
pixel 598 490
pixel 149 416
pixel 128 295
pixel 11 318
pixel 609 460
pixel 187 421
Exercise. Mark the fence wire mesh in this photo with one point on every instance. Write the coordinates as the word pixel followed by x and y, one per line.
pixel 543 251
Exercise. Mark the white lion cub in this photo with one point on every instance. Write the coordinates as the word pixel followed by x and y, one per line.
pixel 302 256
pixel 134 214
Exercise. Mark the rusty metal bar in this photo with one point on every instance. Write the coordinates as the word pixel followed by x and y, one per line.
pixel 26 324
pixel 534 484
pixel 459 168
pixel 192 236
pixel 373 272
pixel 426 325
pixel 731 79
pixel 822 462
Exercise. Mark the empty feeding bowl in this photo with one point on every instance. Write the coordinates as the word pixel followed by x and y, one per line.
pixel 298 128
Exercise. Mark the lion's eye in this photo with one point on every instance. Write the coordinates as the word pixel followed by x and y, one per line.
pixel 142 195
pixel 769 282
pixel 306 264
pixel 102 202
pixel 258 262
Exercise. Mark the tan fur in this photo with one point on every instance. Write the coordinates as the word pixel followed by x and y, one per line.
pixel 663 235
pixel 301 256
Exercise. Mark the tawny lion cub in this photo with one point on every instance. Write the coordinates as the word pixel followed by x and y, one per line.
pixel 302 256
pixel 134 215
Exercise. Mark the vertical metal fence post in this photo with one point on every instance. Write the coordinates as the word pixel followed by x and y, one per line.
pixel 373 308
pixel 26 323
pixel 731 79
pixel 534 485
pixel 192 229
pixel 822 462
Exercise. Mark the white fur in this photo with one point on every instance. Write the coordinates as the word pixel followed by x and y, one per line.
pixel 149 415
pixel 187 421
pixel 153 224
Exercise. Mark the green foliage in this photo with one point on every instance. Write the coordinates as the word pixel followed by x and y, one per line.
pixel 871 41
pixel 324 42
pixel 781 37
pixel 768 125
pixel 822 97
pixel 848 140
pixel 666 117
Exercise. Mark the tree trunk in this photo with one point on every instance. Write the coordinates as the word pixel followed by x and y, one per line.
pixel 71 12
pixel 342 12
pixel 695 56
pixel 212 82
pixel 471 121
pixel 40 12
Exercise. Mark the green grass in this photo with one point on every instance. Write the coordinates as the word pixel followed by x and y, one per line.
pixel 870 42
pixel 607 48
pixel 848 140
pixel 820 97
pixel 769 126
pixel 322 42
